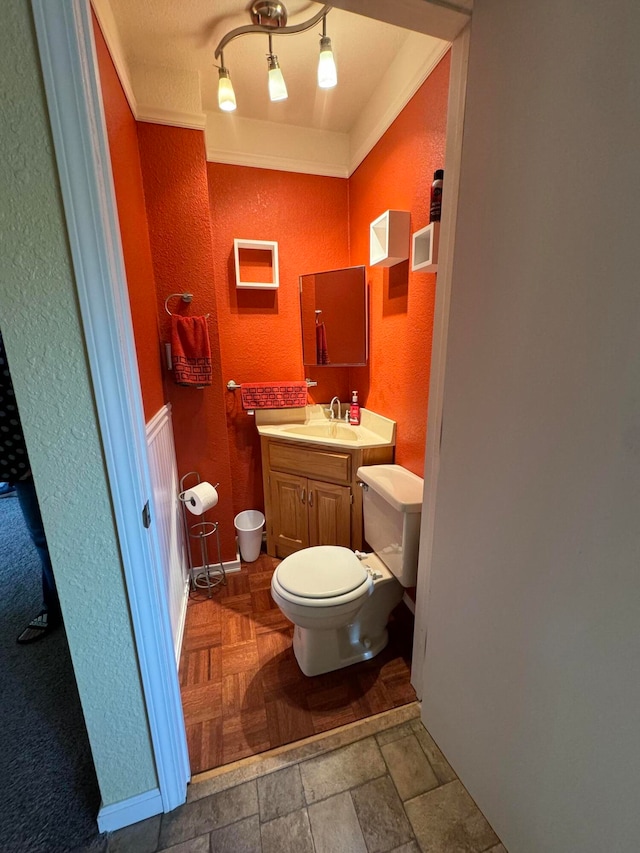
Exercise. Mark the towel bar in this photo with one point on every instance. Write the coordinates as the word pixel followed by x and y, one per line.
pixel 233 386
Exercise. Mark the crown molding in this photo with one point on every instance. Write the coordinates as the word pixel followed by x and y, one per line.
pixel 174 118
pixel 272 161
pixel 269 145
pixel 373 123
pixel 339 154
pixel 103 13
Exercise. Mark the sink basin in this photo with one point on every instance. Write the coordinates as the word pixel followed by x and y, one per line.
pixel 340 432
pixel 312 426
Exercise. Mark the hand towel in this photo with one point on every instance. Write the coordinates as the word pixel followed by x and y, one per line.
pixel 322 353
pixel 190 351
pixel 273 395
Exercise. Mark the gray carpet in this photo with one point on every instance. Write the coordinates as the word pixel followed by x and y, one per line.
pixel 49 796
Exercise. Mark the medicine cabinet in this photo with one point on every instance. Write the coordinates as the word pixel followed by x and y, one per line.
pixel 334 317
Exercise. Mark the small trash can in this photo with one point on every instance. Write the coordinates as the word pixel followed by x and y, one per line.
pixel 249 526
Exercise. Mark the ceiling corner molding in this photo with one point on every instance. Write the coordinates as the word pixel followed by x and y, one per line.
pixel 107 23
pixel 370 128
pixel 275 162
pixel 175 118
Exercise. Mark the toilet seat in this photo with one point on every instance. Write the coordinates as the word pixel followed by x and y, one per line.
pixel 322 576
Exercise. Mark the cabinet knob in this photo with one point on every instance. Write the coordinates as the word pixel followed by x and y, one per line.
pixel 310 497
pixel 302 493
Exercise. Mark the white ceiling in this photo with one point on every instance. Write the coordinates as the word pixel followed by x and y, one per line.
pixel 165 50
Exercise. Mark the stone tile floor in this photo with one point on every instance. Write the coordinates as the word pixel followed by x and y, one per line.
pixel 377 786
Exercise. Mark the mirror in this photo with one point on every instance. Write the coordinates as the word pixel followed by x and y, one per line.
pixel 334 317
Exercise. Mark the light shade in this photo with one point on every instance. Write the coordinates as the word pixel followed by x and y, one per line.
pixel 277 86
pixel 226 95
pixel 327 73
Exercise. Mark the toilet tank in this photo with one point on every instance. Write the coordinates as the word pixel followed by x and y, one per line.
pixel 391 507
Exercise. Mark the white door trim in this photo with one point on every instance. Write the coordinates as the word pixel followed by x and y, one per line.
pixel 453 156
pixel 69 67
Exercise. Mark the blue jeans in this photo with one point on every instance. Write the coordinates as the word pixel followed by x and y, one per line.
pixel 31 512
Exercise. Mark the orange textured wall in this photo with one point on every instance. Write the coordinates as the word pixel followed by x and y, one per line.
pixel 127 178
pixel 260 333
pixel 397 174
pixel 174 171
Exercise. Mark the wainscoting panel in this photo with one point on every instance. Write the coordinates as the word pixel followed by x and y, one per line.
pixel 168 519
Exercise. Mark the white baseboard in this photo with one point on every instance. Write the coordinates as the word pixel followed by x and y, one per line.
pixel 133 810
pixel 230 566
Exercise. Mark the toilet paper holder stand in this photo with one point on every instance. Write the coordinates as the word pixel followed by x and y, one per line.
pixel 208 575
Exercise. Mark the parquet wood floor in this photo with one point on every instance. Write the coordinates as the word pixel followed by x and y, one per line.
pixel 242 690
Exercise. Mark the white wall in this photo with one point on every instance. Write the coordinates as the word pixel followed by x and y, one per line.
pixel 532 673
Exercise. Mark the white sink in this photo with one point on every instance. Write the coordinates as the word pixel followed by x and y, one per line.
pixel 311 424
pixel 340 432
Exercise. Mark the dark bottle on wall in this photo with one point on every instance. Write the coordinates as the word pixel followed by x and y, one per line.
pixel 435 206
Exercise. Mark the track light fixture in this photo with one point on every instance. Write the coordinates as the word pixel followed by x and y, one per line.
pixel 226 95
pixel 277 86
pixel 269 16
pixel 327 73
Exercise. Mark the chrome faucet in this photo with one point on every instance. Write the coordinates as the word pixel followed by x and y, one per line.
pixel 331 412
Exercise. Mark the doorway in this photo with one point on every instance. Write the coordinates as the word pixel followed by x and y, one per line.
pixel 153 686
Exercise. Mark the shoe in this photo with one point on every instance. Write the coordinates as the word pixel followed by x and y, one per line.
pixel 7 491
pixel 36 629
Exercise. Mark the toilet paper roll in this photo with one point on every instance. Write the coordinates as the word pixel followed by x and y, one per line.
pixel 200 498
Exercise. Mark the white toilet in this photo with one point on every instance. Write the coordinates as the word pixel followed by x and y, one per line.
pixel 339 602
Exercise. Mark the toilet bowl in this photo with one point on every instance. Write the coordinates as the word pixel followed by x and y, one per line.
pixel 340 602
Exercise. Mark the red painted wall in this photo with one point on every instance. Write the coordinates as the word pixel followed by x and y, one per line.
pixel 323 223
pixel 260 335
pixel 127 178
pixel 195 210
pixel 397 174
pixel 174 172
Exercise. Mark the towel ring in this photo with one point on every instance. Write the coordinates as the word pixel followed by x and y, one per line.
pixel 186 297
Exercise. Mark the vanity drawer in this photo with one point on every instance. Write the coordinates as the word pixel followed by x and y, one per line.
pixel 319 464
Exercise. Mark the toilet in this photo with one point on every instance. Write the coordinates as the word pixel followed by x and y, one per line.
pixel 340 601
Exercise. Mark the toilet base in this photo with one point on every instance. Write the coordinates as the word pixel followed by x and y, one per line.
pixel 319 651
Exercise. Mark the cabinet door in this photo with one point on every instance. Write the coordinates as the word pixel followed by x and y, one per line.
pixel 329 514
pixel 289 511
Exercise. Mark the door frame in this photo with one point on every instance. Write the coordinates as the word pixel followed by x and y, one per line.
pixel 69 67
pixel 453 158
pixel 67 55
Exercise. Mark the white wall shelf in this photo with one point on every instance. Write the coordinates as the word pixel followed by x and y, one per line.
pixel 389 238
pixel 252 258
pixel 424 254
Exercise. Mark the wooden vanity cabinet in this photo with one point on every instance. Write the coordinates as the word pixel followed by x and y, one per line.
pixel 310 493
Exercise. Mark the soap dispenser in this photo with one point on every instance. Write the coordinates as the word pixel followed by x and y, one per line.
pixel 354 410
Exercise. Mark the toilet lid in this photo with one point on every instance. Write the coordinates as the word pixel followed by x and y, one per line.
pixel 324 571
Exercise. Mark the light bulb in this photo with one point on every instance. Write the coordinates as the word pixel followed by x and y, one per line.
pixel 327 73
pixel 226 95
pixel 277 86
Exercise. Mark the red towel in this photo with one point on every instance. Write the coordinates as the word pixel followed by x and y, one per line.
pixel 322 353
pixel 273 395
pixel 190 351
